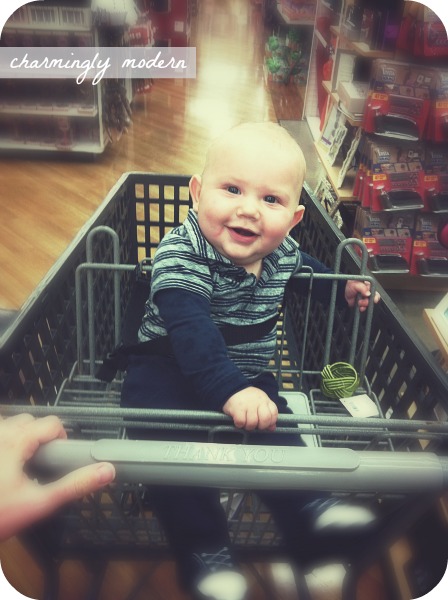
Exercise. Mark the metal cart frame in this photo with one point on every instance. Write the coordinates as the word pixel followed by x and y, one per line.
pixel 48 356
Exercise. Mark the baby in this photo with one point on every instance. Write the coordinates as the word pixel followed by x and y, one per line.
pixel 217 283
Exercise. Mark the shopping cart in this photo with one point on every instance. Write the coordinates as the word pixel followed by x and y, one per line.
pixel 51 353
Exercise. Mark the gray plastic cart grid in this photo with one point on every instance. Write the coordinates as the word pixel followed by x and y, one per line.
pixel 42 363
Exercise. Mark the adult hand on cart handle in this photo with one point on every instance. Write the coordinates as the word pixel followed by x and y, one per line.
pixel 23 500
pixel 251 408
pixel 353 288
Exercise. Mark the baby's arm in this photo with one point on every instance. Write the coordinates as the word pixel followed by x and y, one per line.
pixel 201 354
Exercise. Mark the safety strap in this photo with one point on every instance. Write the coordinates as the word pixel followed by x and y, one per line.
pixel 118 359
pixel 233 335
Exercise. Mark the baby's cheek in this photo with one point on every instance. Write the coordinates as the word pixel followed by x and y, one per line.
pixel 278 232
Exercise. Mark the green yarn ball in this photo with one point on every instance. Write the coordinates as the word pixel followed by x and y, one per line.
pixel 339 380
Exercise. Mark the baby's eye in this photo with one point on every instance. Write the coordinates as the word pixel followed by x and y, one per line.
pixel 233 189
pixel 271 199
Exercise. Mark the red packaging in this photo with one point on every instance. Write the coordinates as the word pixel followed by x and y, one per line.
pixel 388 238
pixel 438 116
pixel 436 193
pixel 429 258
pixel 435 42
pixel 399 100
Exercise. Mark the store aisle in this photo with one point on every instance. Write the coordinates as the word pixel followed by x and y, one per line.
pixel 45 200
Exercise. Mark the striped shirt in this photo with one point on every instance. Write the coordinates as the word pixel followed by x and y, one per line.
pixel 186 261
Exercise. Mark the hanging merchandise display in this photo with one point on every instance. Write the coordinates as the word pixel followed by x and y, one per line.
pixel 389 165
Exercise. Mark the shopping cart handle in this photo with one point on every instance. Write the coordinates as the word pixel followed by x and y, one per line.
pixel 250 466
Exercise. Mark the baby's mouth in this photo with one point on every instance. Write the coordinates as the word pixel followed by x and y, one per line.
pixel 244 232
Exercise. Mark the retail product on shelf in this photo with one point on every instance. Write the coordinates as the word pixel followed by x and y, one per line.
pixel 393 160
pixel 435 41
pixel 388 238
pixel 422 33
pixel 393 178
pixel 436 193
pixel 429 256
pixel 390 176
pixel 438 116
pixel 403 241
pixel 436 178
pixel 399 99
pixel 374 23
pixel 353 96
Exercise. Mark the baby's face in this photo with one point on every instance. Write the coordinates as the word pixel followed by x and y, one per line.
pixel 247 200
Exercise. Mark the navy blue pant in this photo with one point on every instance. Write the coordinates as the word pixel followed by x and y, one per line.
pixel 192 518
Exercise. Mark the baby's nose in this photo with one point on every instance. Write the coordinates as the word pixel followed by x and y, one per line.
pixel 249 207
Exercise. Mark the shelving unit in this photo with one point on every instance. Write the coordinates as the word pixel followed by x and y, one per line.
pixel 363 50
pixel 56 115
pixel 360 48
pixel 344 193
pixel 334 97
pixel 331 40
pixel 305 20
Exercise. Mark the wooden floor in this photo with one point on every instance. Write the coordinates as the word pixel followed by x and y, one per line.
pixel 45 200
pixel 123 580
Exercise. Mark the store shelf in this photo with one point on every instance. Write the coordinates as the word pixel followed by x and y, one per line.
pixel 345 193
pixel 363 50
pixel 288 21
pixel 335 30
pixel 360 48
pixel 75 115
pixel 51 19
pixel 314 125
pixel 337 101
pixel 327 86
pixel 55 29
pixel 51 110
pixel 75 147
pixel 321 38
pixel 325 97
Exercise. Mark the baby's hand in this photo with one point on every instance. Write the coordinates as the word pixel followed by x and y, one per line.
pixel 362 287
pixel 251 408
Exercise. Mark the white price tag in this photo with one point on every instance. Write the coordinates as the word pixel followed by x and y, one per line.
pixel 360 406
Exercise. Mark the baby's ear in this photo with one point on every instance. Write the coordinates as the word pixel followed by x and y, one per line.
pixel 298 215
pixel 195 190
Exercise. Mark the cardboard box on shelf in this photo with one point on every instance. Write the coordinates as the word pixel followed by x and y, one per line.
pixel 353 95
